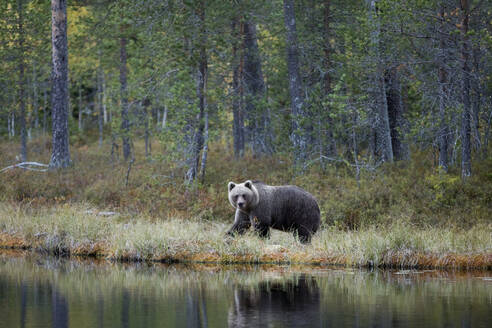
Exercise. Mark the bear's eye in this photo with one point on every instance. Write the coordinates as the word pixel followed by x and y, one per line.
pixel 234 197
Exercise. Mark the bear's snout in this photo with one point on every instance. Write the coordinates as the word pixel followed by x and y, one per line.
pixel 241 204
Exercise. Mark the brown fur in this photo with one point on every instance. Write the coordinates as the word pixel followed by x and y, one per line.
pixel 286 208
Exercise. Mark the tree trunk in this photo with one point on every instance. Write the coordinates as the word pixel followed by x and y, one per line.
pixel 476 99
pixel 125 123
pixel 205 147
pixel 295 86
pixel 255 92
pixel 104 98
pixel 110 109
pixel 22 83
pixel 383 132
pixel 329 147
pixel 114 148
pixel 80 109
pixel 60 156
pixel 29 121
pixel 8 123
pixel 45 108
pixel 198 136
pixel 197 141
pixel 12 124
pixel 486 135
pixel 35 104
pixel 202 84
pixel 238 121
pixel 100 116
pixel 442 136
pixel 466 117
pixel 164 117
pixel 355 148
pixel 395 113
pixel 145 109
pixel 11 113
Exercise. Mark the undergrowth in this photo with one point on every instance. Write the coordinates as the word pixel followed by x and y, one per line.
pixel 413 192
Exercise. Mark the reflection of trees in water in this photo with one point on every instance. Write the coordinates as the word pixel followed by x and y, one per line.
pixel 404 299
pixel 196 311
pixel 294 302
pixel 59 309
pixel 23 304
pixel 100 311
pixel 125 308
pixel 52 293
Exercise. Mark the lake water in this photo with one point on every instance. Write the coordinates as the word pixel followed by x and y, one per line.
pixel 40 291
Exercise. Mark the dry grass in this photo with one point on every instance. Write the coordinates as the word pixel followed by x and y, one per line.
pixel 402 215
pixel 76 230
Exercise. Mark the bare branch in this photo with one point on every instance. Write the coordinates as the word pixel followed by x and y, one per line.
pixel 25 166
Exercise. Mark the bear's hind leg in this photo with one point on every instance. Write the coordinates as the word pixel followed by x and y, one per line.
pixel 303 234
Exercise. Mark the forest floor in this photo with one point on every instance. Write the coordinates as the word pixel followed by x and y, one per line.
pixel 401 215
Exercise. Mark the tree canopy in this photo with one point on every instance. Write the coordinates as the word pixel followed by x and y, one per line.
pixel 359 82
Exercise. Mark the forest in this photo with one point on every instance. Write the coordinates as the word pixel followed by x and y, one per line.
pixel 124 112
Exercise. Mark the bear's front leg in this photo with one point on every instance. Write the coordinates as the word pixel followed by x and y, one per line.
pixel 241 224
pixel 261 228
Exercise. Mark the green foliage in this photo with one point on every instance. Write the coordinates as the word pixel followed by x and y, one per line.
pixel 446 187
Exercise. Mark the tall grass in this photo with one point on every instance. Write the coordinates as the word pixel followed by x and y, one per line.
pixel 78 230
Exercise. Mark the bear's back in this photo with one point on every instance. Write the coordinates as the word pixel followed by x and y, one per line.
pixel 288 206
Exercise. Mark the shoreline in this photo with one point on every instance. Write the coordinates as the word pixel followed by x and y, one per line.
pixel 76 230
pixel 397 260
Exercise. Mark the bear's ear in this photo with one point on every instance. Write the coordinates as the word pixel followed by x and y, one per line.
pixel 231 186
pixel 248 184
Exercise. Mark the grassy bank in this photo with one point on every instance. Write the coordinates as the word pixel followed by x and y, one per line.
pixel 401 215
pixel 78 230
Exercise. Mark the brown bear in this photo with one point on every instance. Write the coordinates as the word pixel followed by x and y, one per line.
pixel 286 208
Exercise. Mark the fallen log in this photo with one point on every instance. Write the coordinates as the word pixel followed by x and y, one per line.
pixel 27 166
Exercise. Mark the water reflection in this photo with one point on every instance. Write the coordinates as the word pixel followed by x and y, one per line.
pixel 293 303
pixel 47 292
pixel 59 310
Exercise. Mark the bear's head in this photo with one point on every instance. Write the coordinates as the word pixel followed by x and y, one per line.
pixel 243 196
